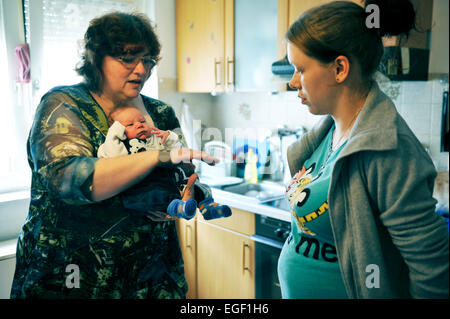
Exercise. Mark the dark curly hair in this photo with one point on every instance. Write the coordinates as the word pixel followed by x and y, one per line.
pixel 108 35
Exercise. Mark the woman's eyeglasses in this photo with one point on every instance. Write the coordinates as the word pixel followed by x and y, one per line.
pixel 130 61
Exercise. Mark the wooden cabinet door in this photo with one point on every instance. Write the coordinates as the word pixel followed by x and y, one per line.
pixel 289 11
pixel 200 45
pixel 296 7
pixel 187 238
pixel 225 263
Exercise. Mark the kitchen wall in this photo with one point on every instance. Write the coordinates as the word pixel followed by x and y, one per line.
pixel 201 104
pixel 419 102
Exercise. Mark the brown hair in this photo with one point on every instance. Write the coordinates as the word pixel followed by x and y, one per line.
pixel 339 28
pixel 108 35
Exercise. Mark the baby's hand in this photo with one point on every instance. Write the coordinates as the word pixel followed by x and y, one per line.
pixel 163 135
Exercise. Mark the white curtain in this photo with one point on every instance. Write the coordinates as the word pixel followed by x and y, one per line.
pixel 14 174
pixel 55 31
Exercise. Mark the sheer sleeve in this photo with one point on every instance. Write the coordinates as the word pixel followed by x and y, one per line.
pixel 61 149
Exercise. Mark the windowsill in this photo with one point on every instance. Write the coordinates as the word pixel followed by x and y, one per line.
pixel 16 195
pixel 8 249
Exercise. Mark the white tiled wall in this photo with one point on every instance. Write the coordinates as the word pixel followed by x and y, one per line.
pixel 419 102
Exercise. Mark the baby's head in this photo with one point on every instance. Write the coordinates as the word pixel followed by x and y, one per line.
pixel 133 120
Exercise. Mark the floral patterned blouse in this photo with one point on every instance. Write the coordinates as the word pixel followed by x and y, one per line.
pixel 71 246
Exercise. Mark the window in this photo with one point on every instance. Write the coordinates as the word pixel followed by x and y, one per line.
pixel 54 30
pixel 14 174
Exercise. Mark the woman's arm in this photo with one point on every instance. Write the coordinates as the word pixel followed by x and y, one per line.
pixel 62 155
pixel 401 183
pixel 114 175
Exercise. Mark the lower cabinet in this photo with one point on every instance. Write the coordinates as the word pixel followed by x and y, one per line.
pixel 225 263
pixel 219 256
pixel 187 238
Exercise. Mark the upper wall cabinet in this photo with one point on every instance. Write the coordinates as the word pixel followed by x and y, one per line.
pixel 205 45
pixel 405 58
pixel 225 45
pixel 288 12
pixel 255 43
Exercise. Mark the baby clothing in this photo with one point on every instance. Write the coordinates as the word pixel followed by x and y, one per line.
pixel 117 143
pixel 160 190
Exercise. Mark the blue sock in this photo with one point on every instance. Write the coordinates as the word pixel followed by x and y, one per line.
pixel 212 210
pixel 182 209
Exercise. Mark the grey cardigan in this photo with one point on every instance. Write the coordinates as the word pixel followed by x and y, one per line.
pixel 389 240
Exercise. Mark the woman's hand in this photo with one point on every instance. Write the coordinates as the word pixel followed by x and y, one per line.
pixel 185 155
pixel 159 216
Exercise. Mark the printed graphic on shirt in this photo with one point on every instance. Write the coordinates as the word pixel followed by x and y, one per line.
pixel 136 145
pixel 298 194
pixel 310 247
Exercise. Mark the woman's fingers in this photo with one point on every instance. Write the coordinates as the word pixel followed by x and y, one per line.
pixel 185 155
pixel 159 217
pixel 209 159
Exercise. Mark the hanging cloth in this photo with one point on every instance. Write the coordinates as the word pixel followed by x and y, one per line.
pixel 23 63
pixel 23 85
pixel 191 130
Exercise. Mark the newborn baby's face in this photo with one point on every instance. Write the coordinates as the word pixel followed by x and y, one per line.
pixel 134 122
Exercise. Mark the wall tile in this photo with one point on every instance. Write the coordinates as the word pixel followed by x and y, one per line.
pixel 419 103
pixel 436 119
pixel 438 88
pixel 418 117
pixel 417 92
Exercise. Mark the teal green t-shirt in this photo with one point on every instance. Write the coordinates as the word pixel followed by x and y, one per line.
pixel 308 266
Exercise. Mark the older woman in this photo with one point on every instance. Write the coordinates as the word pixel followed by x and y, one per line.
pixel 78 241
pixel 363 216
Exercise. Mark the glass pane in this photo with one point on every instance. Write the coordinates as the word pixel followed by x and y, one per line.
pixel 255 43
pixel 63 25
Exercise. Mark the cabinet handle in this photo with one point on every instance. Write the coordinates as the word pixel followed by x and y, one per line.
pixel 229 61
pixel 217 83
pixel 244 247
pixel 188 237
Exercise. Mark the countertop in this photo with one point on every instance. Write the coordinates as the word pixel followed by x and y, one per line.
pixel 242 202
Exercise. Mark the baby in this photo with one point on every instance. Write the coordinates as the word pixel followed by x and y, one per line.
pixel 176 189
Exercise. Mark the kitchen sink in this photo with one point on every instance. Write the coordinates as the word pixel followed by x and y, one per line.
pixel 281 203
pixel 263 192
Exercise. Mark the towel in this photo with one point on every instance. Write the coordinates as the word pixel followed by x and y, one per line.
pixel 23 59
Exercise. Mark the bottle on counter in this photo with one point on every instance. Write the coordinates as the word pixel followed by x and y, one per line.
pixel 251 171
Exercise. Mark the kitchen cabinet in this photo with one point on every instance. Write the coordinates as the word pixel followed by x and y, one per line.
pixel 255 44
pixel 219 256
pixel 187 238
pixel 205 45
pixel 288 12
pixel 218 50
pixel 405 58
pixel 225 258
